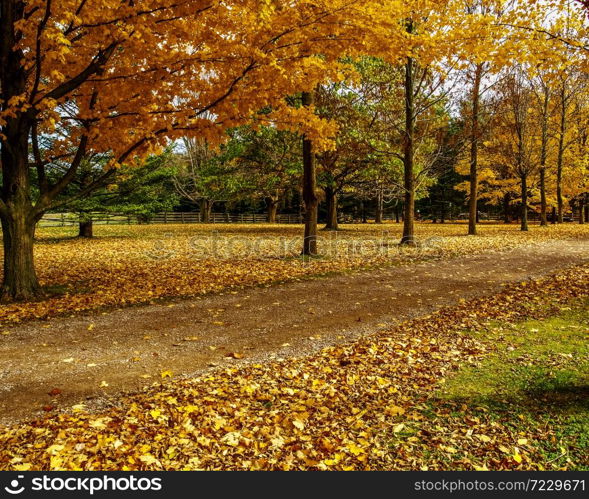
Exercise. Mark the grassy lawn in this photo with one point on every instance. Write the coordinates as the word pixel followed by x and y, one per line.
pixel 528 399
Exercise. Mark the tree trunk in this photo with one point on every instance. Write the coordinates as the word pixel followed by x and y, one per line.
pixel 506 208
pixel 309 188
pixel 379 207
pixel 272 209
pixel 363 212
pixel 20 278
pixel 18 218
pixel 553 221
pixel 408 174
pixel 206 207
pixel 524 193
pixel 543 155
pixel 582 209
pixel 543 203
pixel 85 229
pixel 397 213
pixel 331 199
pixel 560 158
pixel 474 149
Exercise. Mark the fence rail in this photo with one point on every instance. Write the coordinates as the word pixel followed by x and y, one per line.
pixel 69 219
pixel 189 217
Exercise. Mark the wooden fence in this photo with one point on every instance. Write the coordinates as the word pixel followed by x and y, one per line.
pixel 219 218
pixel 69 219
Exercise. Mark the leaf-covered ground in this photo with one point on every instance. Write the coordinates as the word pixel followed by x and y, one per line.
pixel 127 265
pixel 376 403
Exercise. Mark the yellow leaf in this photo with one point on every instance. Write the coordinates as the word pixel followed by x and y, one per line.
pixel 354 449
pixel 481 468
pixel 149 459
pixel 298 424
pixel 394 410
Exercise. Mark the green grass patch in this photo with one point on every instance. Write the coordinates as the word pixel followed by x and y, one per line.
pixel 535 385
pixel 546 360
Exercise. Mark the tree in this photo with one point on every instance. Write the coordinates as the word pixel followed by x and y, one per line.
pixel 206 175
pixel 409 106
pixel 424 91
pixel 570 86
pixel 443 195
pixel 479 69
pixel 512 146
pixel 542 93
pixel 309 187
pixel 269 162
pixel 408 150
pixel 342 104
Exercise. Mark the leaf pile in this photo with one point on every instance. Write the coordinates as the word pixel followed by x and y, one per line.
pixel 139 264
pixel 353 406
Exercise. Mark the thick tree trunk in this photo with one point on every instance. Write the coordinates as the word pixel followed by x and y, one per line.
pixel 408 174
pixel 553 221
pixel 85 229
pixel 474 149
pixel 18 217
pixel 20 278
pixel 582 209
pixel 272 209
pixel 524 193
pixel 206 207
pixel 331 200
pixel 309 189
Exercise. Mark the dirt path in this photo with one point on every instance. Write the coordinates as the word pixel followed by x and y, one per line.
pixel 92 359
